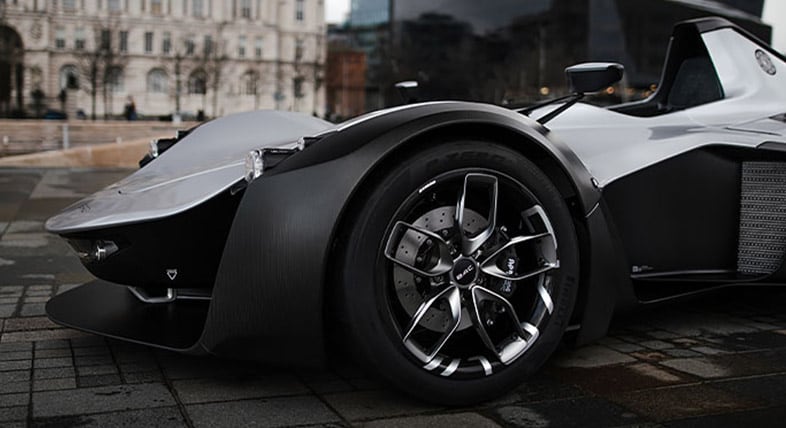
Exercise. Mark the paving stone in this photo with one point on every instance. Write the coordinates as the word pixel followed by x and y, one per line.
pixel 657 345
pixel 14 376
pixel 576 412
pixel 45 363
pixel 592 356
pixel 143 377
pixel 626 347
pixel 54 373
pixel 15 365
pixel 36 335
pixel 53 384
pixel 629 377
pixel 15 347
pixel 32 323
pixel 708 350
pixel 92 350
pixel 93 360
pixel 771 417
pixel 7 310
pixel 454 420
pixel 18 399
pixel 662 335
pixel 18 355
pixel 96 370
pixel 273 412
pixel 52 344
pixel 681 353
pixel 17 413
pixel 683 402
pixel 53 353
pixel 16 386
pixel 366 405
pixel 162 417
pixel 206 390
pixel 99 380
pixel 100 399
pixel 768 390
pixel 32 309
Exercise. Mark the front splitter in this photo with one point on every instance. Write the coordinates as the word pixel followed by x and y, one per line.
pixel 109 309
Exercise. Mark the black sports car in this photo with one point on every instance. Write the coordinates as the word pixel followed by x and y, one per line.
pixel 453 244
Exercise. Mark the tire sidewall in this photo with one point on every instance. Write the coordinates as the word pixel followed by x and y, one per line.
pixel 365 304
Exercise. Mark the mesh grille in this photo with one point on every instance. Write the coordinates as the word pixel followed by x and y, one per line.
pixel 762 217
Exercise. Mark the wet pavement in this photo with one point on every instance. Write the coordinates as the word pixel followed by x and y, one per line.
pixel 718 361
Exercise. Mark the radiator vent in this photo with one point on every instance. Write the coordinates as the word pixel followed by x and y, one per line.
pixel 762 217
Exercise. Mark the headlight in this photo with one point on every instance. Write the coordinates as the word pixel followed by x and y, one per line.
pixel 255 165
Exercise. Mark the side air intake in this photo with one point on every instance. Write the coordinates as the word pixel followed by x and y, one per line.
pixel 762 217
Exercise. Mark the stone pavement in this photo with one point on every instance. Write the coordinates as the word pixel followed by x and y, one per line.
pixel 717 361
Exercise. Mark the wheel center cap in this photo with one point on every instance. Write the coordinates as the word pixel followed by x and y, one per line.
pixel 465 271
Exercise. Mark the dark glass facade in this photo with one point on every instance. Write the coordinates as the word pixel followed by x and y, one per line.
pixel 514 51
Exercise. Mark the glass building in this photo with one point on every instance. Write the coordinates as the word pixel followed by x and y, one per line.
pixel 515 52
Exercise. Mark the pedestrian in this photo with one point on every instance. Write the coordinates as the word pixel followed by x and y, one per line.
pixel 130 109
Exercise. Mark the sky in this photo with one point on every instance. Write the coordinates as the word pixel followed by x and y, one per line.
pixel 774 14
pixel 336 10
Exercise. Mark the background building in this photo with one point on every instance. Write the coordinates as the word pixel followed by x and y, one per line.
pixel 513 51
pixel 169 55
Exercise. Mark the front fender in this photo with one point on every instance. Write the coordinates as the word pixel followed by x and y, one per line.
pixel 268 297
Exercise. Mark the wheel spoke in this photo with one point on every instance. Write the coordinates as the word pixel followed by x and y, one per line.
pixel 525 333
pixel 543 245
pixel 453 298
pixel 440 261
pixel 470 243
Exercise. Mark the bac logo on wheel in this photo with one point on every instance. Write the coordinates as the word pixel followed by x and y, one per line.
pixel 172 274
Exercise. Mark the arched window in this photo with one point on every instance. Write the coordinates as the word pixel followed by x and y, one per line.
pixel 249 83
pixel 157 81
pixel 197 82
pixel 69 77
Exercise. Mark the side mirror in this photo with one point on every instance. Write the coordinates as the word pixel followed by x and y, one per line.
pixel 408 91
pixel 591 77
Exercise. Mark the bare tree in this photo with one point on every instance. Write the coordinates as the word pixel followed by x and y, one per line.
pixel 101 64
pixel 212 61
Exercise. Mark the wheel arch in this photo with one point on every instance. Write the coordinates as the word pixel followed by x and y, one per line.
pixel 527 144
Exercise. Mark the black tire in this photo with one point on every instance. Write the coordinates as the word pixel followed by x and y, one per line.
pixel 375 310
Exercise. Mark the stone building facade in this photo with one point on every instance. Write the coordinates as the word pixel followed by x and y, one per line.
pixel 168 55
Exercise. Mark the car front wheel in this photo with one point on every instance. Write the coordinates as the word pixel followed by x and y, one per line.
pixel 459 272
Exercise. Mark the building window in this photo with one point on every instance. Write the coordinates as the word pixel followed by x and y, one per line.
pixel 124 41
pixel 155 7
pixel 249 83
pixel 207 46
pixel 69 5
pixel 245 8
pixel 69 77
pixel 297 86
pixel 113 5
pixel 299 12
pixel 197 8
pixel 79 39
pixel 60 42
pixel 299 47
pixel 115 79
pixel 106 40
pixel 197 82
pixel 149 42
pixel 241 46
pixel 258 47
pixel 190 45
pixel 157 81
pixel 166 45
